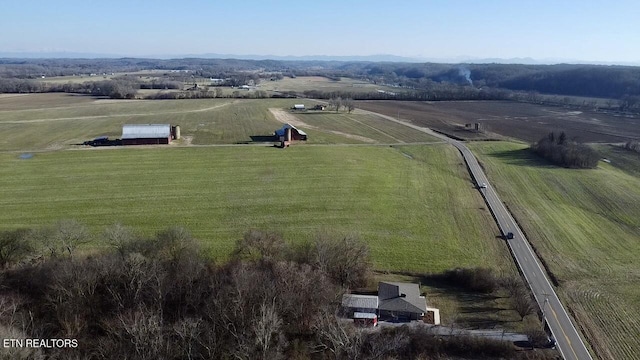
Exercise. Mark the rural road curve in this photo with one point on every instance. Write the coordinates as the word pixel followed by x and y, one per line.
pixel 567 337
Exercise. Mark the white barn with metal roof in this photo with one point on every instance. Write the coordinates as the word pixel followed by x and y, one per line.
pixel 146 131
pixel 146 134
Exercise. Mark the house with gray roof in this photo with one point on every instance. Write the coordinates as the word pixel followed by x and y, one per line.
pixel 395 301
pixel 401 300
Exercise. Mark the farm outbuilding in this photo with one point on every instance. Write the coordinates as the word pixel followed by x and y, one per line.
pixel 148 134
pixel 288 132
pixel 298 107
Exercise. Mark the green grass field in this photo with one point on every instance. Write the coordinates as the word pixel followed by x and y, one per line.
pixel 625 160
pixel 364 124
pixel 400 206
pixel 586 226
pixel 55 121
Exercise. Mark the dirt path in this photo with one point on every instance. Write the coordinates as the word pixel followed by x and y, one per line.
pixel 288 118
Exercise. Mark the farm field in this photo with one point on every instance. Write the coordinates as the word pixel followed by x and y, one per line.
pixel 218 193
pixel 527 122
pixel 621 158
pixel 365 127
pixel 585 224
pixel 81 78
pixel 319 83
pixel 57 121
pixel 414 204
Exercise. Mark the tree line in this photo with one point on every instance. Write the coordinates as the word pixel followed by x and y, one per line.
pixel 616 82
pixel 159 297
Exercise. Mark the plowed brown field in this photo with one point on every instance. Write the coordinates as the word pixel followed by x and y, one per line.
pixel 527 122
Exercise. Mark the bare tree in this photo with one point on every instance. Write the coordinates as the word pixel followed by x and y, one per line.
pixel 349 104
pixel 64 237
pixel 339 338
pixel 17 353
pixel 344 259
pixel 336 103
pixel 175 243
pixel 256 245
pixel 266 329
pixel 523 304
pixel 143 329
pixel 188 332
pixel 14 246
pixel 119 237
pixel 383 346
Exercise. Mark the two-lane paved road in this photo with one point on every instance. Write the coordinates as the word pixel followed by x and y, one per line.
pixel 567 337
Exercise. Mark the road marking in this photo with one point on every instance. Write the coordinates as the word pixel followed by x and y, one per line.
pixel 564 333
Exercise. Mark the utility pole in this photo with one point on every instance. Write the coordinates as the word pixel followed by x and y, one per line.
pixel 544 305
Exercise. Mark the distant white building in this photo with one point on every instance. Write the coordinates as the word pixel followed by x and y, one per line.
pixel 298 107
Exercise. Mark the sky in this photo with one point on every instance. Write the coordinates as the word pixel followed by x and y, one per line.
pixel 587 30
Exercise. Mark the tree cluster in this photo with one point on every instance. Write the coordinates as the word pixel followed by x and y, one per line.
pixel 434 92
pixel 521 298
pixel 158 297
pixel 564 152
pixel 480 280
pixel 339 102
pixel 632 146
pixel 206 93
pixel 115 89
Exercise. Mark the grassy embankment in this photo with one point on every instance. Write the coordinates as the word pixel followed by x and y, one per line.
pixel 586 226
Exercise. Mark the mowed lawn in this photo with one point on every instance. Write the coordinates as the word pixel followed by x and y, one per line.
pixel 414 205
pixel 586 226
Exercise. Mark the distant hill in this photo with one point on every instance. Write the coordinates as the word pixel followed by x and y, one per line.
pixel 56 55
pixel 610 81
pixel 369 58
pixel 81 55
pixel 341 58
